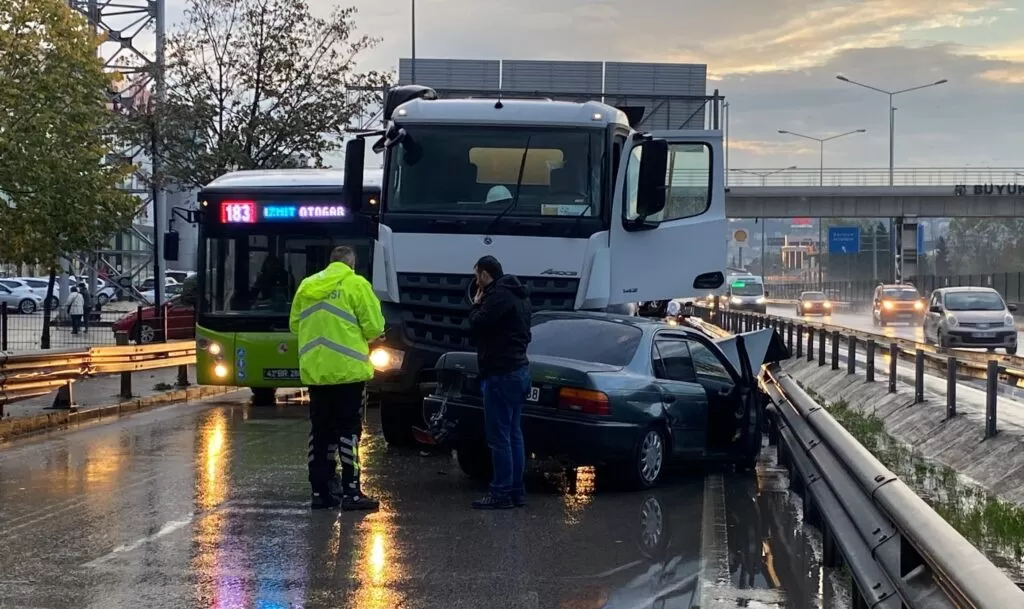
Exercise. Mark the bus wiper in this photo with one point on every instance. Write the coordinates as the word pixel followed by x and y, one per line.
pixel 519 187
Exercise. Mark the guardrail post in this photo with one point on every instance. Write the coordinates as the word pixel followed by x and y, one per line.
pixel 951 381
pixel 799 341
pixel 991 398
pixel 182 376
pixel 810 344
pixel 821 348
pixel 137 330
pixel 3 326
pixel 851 355
pixel 869 364
pixel 789 336
pixel 918 376
pixel 894 356
pixel 835 349
pixel 126 385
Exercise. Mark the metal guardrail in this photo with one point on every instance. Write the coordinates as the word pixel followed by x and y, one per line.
pixel 30 374
pixel 900 552
pixel 815 339
pixel 910 176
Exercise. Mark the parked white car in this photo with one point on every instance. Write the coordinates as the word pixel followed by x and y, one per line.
pixel 18 296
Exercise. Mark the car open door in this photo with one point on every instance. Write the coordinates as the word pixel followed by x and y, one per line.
pixel 668 229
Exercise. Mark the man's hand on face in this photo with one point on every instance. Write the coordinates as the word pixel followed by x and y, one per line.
pixel 479 296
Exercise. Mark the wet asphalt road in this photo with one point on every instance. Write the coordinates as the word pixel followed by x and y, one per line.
pixel 206 506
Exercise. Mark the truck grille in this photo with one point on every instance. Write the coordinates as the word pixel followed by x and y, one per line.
pixel 435 306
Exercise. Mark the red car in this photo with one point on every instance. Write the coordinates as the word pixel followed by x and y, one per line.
pixel 181 323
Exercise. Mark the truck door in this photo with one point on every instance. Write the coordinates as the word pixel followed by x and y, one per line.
pixel 681 250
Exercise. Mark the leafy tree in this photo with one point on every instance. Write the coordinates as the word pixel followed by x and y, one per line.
pixel 255 84
pixel 58 196
pixel 978 246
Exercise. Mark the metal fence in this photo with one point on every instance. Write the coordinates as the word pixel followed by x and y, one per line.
pixel 1010 285
pixel 22 332
pixel 911 176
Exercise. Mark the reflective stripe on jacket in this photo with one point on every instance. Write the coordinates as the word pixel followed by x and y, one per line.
pixel 334 315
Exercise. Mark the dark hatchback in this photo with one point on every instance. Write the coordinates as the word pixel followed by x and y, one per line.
pixel 813 303
pixel 627 394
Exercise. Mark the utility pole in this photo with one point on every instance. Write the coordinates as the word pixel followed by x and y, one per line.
pixel 413 42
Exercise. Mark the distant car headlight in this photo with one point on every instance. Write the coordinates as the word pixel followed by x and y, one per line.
pixel 762 300
pixel 384 358
pixel 950 320
pixel 918 306
pixel 736 300
pixel 1010 321
pixel 826 304
pixel 887 305
pixel 673 308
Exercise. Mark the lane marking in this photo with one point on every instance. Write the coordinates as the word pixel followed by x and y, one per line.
pixel 167 529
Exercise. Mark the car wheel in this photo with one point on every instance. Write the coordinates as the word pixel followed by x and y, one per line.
pixel 102 300
pixel 27 307
pixel 1011 350
pixel 395 423
pixel 264 396
pixel 649 459
pixel 474 460
pixel 654 537
pixel 145 334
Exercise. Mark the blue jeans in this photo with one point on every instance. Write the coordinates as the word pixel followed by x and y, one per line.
pixel 504 395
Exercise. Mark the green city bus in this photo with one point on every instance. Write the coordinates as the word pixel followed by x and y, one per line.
pixel 260 234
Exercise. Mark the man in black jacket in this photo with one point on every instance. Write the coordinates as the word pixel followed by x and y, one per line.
pixel 500 324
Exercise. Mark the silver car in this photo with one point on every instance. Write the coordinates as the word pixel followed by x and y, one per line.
pixel 970 317
pixel 20 299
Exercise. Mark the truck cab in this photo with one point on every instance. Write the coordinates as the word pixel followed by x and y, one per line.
pixel 588 211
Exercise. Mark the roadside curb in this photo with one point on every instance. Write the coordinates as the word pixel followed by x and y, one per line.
pixel 20 427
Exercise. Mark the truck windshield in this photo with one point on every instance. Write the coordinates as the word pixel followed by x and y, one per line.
pixel 474 170
pixel 257 273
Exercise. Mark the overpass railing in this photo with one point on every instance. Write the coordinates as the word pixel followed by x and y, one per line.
pixel 900 552
pixel 910 176
pixel 860 292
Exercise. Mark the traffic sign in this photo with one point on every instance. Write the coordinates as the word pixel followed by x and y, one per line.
pixel 739 235
pixel 843 239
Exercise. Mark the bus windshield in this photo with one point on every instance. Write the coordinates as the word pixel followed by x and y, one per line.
pixel 474 170
pixel 257 273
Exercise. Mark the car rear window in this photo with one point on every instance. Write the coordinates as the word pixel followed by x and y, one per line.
pixel 589 340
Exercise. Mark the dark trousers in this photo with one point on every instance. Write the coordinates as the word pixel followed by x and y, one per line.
pixel 336 420
pixel 76 323
pixel 85 318
pixel 504 395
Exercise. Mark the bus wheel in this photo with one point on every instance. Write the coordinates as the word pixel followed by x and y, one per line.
pixel 396 422
pixel 263 396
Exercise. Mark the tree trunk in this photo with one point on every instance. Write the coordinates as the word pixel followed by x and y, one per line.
pixel 44 341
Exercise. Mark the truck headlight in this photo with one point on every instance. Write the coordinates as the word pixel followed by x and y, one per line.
pixel 673 308
pixel 384 358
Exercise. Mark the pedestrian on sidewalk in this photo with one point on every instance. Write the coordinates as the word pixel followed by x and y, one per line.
pixel 86 305
pixel 76 309
pixel 500 325
pixel 335 314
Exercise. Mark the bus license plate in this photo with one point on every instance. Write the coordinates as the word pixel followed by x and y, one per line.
pixel 534 395
pixel 984 335
pixel 280 374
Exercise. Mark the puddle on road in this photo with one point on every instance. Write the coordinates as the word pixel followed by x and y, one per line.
pixel 994 526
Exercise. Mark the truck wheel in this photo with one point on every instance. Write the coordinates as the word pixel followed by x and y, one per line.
pixel 264 396
pixel 396 422
pixel 474 460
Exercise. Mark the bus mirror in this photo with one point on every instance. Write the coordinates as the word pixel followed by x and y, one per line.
pixel 355 157
pixel 171 242
pixel 651 190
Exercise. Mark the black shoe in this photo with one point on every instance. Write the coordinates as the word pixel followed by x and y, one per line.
pixel 491 502
pixel 519 500
pixel 359 502
pixel 323 501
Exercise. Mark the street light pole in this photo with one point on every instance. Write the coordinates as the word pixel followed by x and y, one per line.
pixel 892 110
pixel 413 42
pixel 821 147
pixel 764 174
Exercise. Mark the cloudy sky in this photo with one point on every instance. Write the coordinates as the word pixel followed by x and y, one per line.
pixel 774 60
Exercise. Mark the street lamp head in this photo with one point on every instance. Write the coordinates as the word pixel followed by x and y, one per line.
pixel 842 78
pixel 783 131
pixel 941 82
pixel 861 131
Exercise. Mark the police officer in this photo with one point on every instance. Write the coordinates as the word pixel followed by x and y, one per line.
pixel 335 314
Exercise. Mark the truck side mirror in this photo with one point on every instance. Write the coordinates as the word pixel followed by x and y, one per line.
pixel 651 191
pixel 355 157
pixel 171 242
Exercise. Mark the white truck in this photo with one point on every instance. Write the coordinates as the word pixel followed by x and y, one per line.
pixel 588 212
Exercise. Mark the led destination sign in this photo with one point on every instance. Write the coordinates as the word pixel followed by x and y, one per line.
pixel 251 212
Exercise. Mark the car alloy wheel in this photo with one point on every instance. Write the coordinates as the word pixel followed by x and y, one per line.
pixel 651 457
pixel 102 300
pixel 27 307
pixel 652 526
pixel 147 334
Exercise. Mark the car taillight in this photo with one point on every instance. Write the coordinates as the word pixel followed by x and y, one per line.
pixel 583 400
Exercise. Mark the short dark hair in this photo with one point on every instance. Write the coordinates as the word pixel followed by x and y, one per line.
pixel 491 265
pixel 343 253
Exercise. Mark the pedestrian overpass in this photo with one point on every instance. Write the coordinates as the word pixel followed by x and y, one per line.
pixel 865 193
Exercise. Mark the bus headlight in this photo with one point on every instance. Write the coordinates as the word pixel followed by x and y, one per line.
pixel 736 300
pixel 214 349
pixel 383 358
pixel 220 371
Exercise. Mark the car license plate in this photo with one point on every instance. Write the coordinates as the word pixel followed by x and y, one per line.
pixel 280 374
pixel 534 395
pixel 984 335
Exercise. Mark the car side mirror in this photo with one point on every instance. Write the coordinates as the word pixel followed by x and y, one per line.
pixel 935 309
pixel 651 191
pixel 766 293
pixel 1011 308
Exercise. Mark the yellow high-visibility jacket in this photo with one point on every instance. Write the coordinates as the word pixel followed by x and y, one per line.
pixel 335 314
